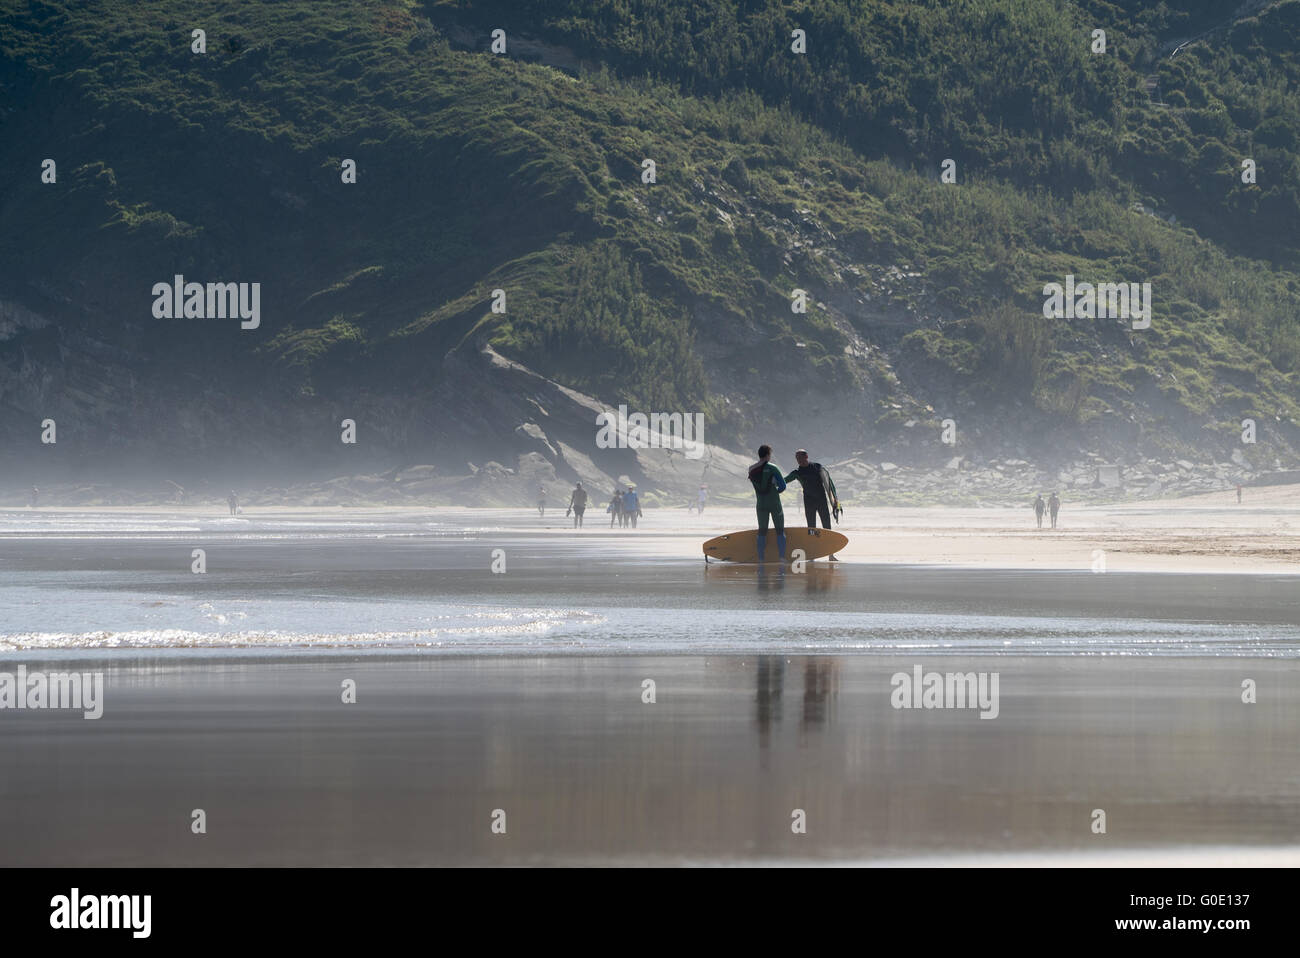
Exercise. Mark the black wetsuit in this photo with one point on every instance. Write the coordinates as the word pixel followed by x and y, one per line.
pixel 814 494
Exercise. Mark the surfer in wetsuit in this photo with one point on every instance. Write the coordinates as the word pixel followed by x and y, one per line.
pixel 1039 508
pixel 1053 507
pixel 768 485
pixel 615 508
pixel 819 496
pixel 232 500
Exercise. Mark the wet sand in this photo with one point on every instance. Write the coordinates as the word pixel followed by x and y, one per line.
pixel 711 773
pixel 1120 692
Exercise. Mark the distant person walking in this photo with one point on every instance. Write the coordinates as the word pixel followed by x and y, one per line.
pixel 1238 493
pixel 35 498
pixel 578 503
pixel 232 500
pixel 1054 506
pixel 819 496
pixel 704 495
pixel 1039 508
pixel 631 507
pixel 768 485
pixel 615 508
pixel 541 500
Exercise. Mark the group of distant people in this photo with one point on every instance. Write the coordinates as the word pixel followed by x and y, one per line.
pixel 624 507
pixel 1051 506
pixel 820 500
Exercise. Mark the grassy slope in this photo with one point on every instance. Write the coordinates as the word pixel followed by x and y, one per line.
pixel 479 171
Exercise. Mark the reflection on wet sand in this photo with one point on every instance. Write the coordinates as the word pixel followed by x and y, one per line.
pixel 820 686
pixel 771 683
pixel 817 577
pixel 588 772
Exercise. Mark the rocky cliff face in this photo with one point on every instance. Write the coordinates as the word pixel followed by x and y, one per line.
pixel 485 431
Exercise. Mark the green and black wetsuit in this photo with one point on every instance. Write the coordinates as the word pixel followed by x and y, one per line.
pixel 768 486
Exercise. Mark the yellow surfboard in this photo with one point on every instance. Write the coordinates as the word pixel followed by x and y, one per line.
pixel 743 546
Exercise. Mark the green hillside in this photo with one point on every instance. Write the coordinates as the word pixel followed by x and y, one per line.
pixel 775 171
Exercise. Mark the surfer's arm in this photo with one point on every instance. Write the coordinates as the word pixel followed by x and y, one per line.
pixel 780 482
pixel 791 477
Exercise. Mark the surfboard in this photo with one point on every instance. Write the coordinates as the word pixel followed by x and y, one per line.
pixel 743 546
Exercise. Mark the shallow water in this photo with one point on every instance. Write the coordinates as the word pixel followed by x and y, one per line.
pixel 407 582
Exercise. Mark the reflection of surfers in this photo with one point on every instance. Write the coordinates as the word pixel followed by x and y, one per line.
pixel 820 683
pixel 771 682
pixel 819 580
pixel 768 580
pixel 819 496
